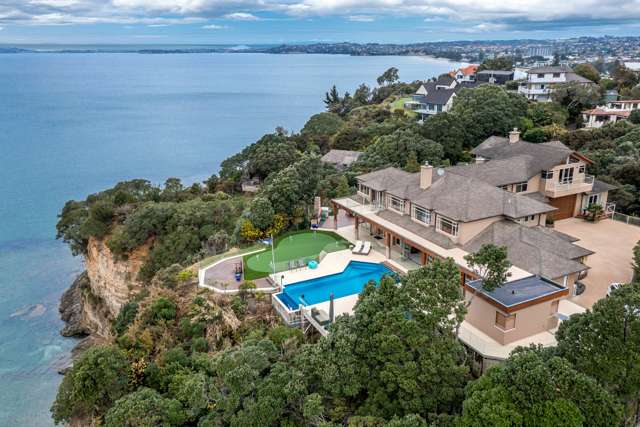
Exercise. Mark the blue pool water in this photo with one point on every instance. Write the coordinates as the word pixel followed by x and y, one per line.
pixel 350 281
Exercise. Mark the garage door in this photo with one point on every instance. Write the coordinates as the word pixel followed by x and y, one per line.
pixel 565 206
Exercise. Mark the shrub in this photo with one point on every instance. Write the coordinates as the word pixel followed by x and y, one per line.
pixel 163 309
pixel 125 317
pixel 98 378
pixel 200 345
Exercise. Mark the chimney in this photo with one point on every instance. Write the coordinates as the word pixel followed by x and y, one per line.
pixel 514 136
pixel 426 175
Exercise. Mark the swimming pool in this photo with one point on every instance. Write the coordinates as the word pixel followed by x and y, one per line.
pixel 350 281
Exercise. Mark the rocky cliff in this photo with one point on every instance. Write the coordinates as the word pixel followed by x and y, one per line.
pixel 95 297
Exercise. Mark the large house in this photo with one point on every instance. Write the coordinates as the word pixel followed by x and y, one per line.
pixel 436 96
pixel 540 81
pixel 504 198
pixel 612 112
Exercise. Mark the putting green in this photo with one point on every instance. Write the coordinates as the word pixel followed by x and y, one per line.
pixel 300 247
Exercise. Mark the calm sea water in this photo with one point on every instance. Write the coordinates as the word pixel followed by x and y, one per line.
pixel 73 124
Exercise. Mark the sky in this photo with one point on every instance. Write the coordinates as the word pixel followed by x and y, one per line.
pixel 300 21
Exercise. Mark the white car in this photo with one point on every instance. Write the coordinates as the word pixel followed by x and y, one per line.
pixel 613 286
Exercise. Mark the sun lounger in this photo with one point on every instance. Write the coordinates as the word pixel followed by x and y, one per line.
pixel 366 248
pixel 357 248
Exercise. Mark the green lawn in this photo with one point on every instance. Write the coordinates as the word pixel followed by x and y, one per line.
pixel 303 245
pixel 398 104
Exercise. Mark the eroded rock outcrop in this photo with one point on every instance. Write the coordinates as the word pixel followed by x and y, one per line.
pixel 95 297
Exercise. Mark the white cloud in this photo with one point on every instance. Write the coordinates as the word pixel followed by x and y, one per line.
pixel 361 18
pixel 241 16
pixel 475 16
pixel 213 27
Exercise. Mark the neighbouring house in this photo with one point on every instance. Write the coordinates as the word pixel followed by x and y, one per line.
pixel 504 198
pixel 341 159
pixel 436 96
pixel 465 74
pixel 610 113
pixel 541 80
pixel 498 77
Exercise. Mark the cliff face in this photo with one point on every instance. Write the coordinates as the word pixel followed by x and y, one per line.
pixel 113 280
pixel 95 297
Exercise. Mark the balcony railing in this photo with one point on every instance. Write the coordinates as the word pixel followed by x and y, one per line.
pixel 527 91
pixel 569 186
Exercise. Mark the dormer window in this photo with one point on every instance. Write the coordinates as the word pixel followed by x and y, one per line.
pixel 421 215
pixel 447 226
pixel 547 174
pixel 397 204
pixel 520 187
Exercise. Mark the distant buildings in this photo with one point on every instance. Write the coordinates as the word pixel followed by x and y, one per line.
pixel 540 81
pixel 609 113
pixel 544 51
pixel 436 96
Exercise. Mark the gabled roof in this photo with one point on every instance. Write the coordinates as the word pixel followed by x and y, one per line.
pixel 341 157
pixel 468 70
pixel 436 96
pixel 538 250
pixel 539 156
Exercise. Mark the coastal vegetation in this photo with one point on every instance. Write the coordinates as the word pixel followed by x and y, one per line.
pixel 182 356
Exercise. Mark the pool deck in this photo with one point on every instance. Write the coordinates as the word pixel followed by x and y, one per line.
pixel 332 263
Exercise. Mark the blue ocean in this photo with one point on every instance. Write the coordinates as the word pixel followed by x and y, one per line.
pixel 73 124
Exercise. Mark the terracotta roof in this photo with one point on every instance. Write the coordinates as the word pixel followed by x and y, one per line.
pixel 469 69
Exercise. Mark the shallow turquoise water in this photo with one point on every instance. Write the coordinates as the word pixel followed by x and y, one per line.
pixel 72 124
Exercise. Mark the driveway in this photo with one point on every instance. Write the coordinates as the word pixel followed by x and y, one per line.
pixel 613 243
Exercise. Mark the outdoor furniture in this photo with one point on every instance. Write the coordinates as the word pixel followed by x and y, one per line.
pixel 366 248
pixel 357 248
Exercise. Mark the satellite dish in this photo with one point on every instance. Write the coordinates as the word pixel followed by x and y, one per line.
pixel 440 172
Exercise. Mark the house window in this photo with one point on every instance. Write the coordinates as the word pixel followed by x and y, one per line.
pixel 547 174
pixel 364 189
pixel 581 169
pixel 554 307
pixel 447 226
pixel 504 187
pixel 593 199
pixel 521 187
pixel 422 215
pixel 505 322
pixel 565 176
pixel 541 76
pixel 556 75
pixel 397 204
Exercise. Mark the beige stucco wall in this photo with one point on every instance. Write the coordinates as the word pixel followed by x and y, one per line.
pixel 529 321
pixel 468 230
pixel 570 282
